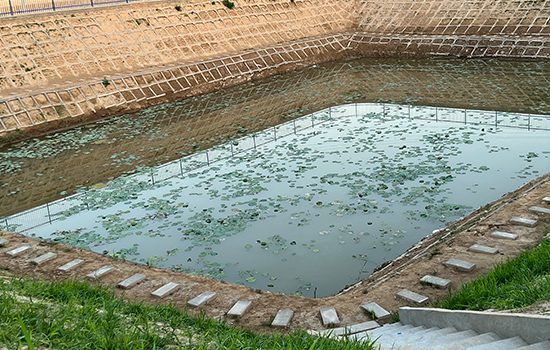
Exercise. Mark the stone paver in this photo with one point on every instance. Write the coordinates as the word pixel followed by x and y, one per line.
pixel 539 210
pixel 477 248
pixel 239 308
pixel 378 311
pixel 3 242
pixel 546 200
pixel 200 299
pixel 165 290
pixel 100 272
pixel 435 281
pixel 131 281
pixel 329 316
pixel 17 251
pixel 460 265
pixel 503 235
pixel 282 319
pixel 43 258
pixel 517 220
pixel 71 265
pixel 412 297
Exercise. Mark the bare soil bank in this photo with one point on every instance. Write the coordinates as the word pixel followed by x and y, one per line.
pixel 426 257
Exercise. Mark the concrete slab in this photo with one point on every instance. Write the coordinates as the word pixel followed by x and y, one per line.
pixel 131 281
pixel 329 316
pixel 460 265
pixel 503 235
pixel 282 319
pixel 379 312
pixel 239 308
pixel 539 210
pixel 435 281
pixel 517 220
pixel 477 248
pixel 165 290
pixel 546 200
pixel 3 242
pixel 100 272
pixel 43 258
pixel 201 299
pixel 412 297
pixel 17 251
pixel 71 265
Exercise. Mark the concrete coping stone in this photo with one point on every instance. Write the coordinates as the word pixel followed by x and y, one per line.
pixel 329 316
pixel 435 281
pixel 539 210
pixel 3 242
pixel 100 272
pixel 239 308
pixel 131 281
pixel 43 258
pixel 546 200
pixel 517 220
pixel 165 290
pixel 477 248
pixel 503 235
pixel 378 311
pixel 282 319
pixel 460 265
pixel 71 265
pixel 18 250
pixel 202 298
pixel 347 330
pixel 412 297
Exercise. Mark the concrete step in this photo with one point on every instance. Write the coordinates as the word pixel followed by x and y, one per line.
pixel 412 297
pixel 516 220
pixel 282 319
pixel 539 210
pixel 201 299
pixel 379 312
pixel 99 272
pixel 43 258
pixel 478 248
pixel 393 328
pixel 348 330
pixel 504 344
pixel 239 308
pixel 71 265
pixel 19 250
pixel 3 242
pixel 436 282
pixel 460 265
pixel 165 290
pixel 329 317
pixel 484 338
pixel 545 345
pixel 414 337
pixel 546 200
pixel 131 281
pixel 503 235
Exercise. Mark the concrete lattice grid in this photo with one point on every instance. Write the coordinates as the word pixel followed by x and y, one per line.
pixel 74 66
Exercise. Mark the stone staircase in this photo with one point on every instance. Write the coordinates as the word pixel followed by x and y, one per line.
pixel 461 330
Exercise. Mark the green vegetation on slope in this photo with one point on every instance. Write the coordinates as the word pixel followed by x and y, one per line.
pixel 77 315
pixel 512 284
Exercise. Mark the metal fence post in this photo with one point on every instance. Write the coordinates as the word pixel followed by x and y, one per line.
pixel 92 3
pixel 53 5
pixel 49 215
pixel 11 8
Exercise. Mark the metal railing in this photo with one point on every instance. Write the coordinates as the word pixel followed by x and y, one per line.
pixel 16 7
pixel 55 210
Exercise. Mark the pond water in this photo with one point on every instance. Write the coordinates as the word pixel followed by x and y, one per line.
pixel 305 207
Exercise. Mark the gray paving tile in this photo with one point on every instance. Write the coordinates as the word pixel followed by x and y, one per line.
pixel 329 316
pixel 200 299
pixel 435 281
pixel 131 281
pixel 477 248
pixel 379 312
pixel 239 308
pixel 282 319
pixel 19 250
pixel 460 265
pixel 503 235
pixel 165 290
pixel 412 297
pixel 100 272
pixel 517 220
pixel 43 258
pixel 71 265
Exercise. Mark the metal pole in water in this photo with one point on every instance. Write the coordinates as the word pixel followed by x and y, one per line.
pixel 294 122
pixel 232 153
pixel 152 179
pixel 496 119
pixel 436 109
pixel 49 215
pixel 465 120
pixel 356 114
pixel 181 168
pixel 207 159
pixel 7 226
pixel 409 112
pixel 529 122
pixel 274 134
pixel 254 140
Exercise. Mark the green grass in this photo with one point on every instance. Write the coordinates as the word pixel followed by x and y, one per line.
pixel 512 284
pixel 77 315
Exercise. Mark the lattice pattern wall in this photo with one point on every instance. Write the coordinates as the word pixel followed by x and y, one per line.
pixel 455 17
pixel 55 49
pixel 20 112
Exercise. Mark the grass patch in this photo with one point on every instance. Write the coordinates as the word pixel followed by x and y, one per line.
pixel 77 315
pixel 512 284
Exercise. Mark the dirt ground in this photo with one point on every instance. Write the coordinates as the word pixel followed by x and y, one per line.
pixel 426 257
